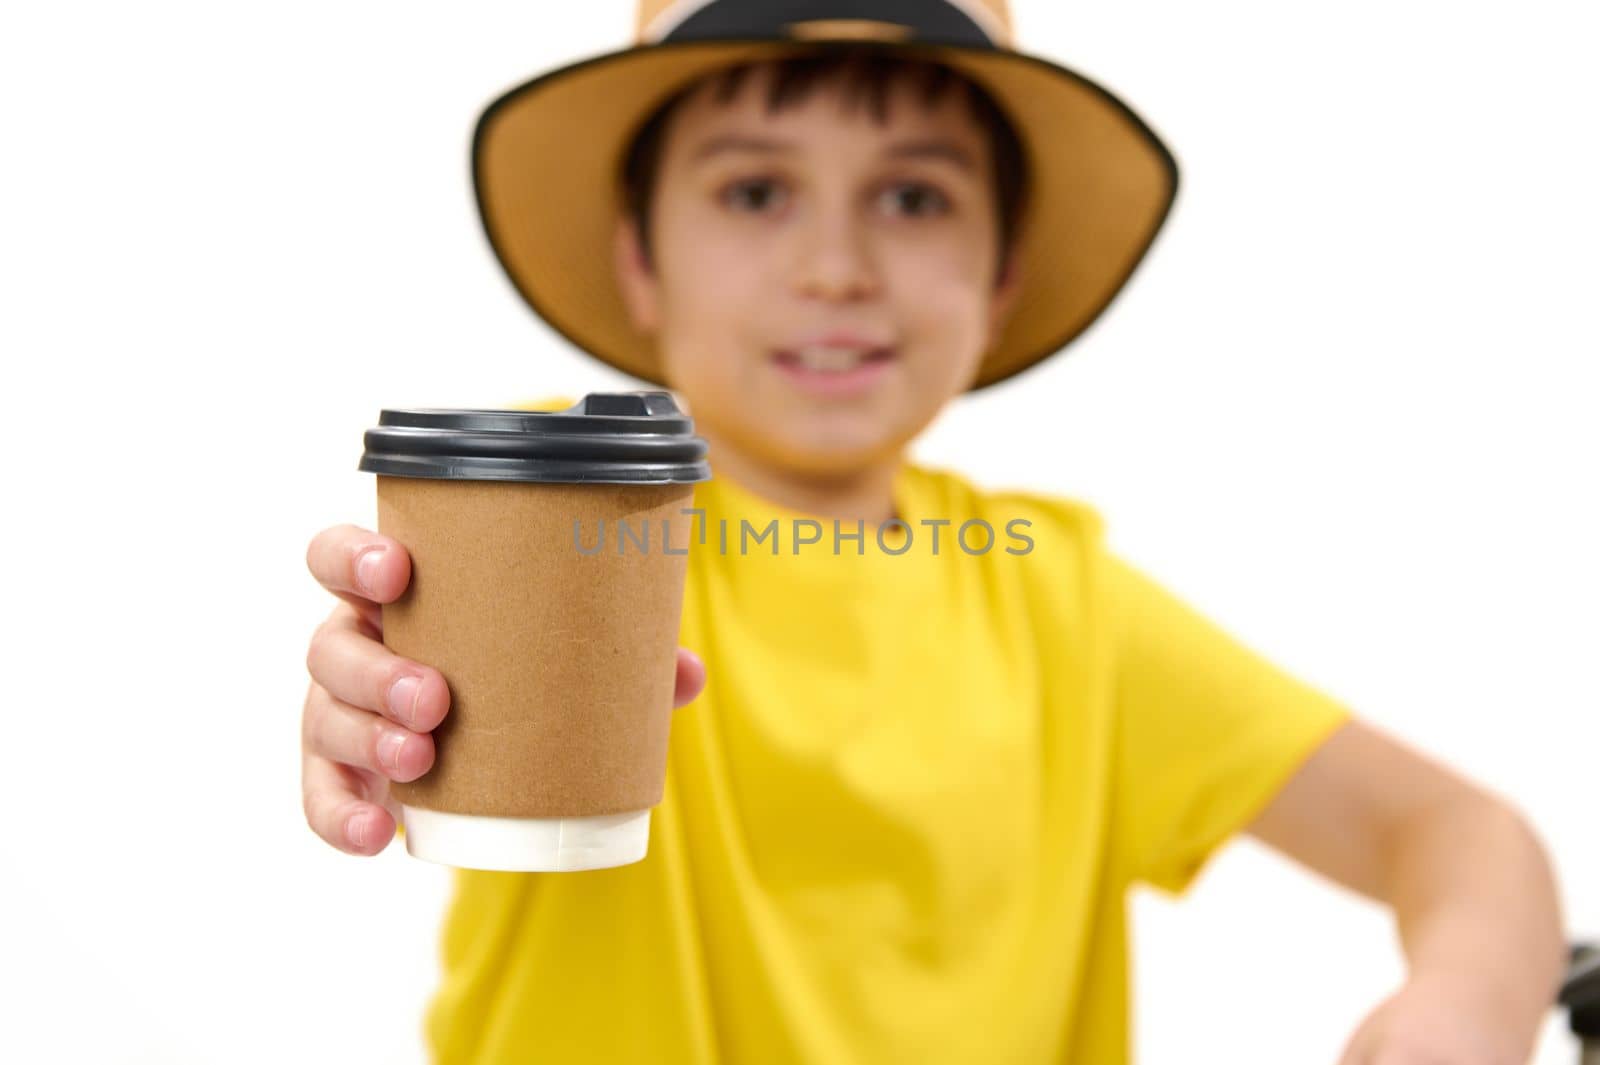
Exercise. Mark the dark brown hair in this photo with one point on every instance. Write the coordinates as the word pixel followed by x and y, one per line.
pixel 866 71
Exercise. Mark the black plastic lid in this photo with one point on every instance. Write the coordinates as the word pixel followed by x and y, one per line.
pixel 605 438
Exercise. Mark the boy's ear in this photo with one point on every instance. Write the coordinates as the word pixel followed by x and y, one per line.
pixel 635 278
pixel 1005 296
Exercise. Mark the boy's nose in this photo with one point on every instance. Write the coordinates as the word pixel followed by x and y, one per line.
pixel 835 261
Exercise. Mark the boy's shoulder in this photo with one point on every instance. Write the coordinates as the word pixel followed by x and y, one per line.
pixel 944 491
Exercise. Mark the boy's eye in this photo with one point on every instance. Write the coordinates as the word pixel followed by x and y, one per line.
pixel 759 193
pixel 920 198
pixel 914 198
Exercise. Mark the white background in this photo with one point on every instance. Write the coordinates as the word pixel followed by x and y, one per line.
pixel 1347 408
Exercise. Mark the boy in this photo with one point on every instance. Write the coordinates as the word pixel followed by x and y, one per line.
pixel 903 811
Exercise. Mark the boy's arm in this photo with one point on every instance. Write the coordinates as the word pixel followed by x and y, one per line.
pixel 1469 883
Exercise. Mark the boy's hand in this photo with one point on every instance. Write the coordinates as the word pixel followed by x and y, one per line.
pixel 1430 1021
pixel 369 713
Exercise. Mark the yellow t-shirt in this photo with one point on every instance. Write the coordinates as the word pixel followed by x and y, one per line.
pixel 901 819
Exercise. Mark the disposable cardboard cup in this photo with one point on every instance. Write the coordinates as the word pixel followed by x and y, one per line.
pixel 548 554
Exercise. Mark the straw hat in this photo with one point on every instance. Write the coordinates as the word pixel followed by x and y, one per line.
pixel 547 157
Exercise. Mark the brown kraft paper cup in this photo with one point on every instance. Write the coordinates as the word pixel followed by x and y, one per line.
pixel 552 609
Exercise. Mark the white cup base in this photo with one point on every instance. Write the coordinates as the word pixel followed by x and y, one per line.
pixel 526 844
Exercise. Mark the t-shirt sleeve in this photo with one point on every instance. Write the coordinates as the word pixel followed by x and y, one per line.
pixel 1208 730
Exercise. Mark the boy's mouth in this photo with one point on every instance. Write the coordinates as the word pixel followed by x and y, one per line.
pixel 833 370
pixel 824 359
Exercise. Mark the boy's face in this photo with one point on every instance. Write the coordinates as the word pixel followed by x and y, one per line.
pixel 837 224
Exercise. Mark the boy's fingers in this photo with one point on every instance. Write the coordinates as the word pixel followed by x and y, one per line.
pixel 359 670
pixel 350 736
pixel 691 677
pixel 355 563
pixel 337 812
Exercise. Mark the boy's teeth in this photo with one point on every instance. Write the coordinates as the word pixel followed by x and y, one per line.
pixel 830 359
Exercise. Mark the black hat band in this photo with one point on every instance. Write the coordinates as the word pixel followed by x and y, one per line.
pixel 926 21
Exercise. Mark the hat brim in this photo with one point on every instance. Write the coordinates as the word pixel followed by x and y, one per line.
pixel 546 160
